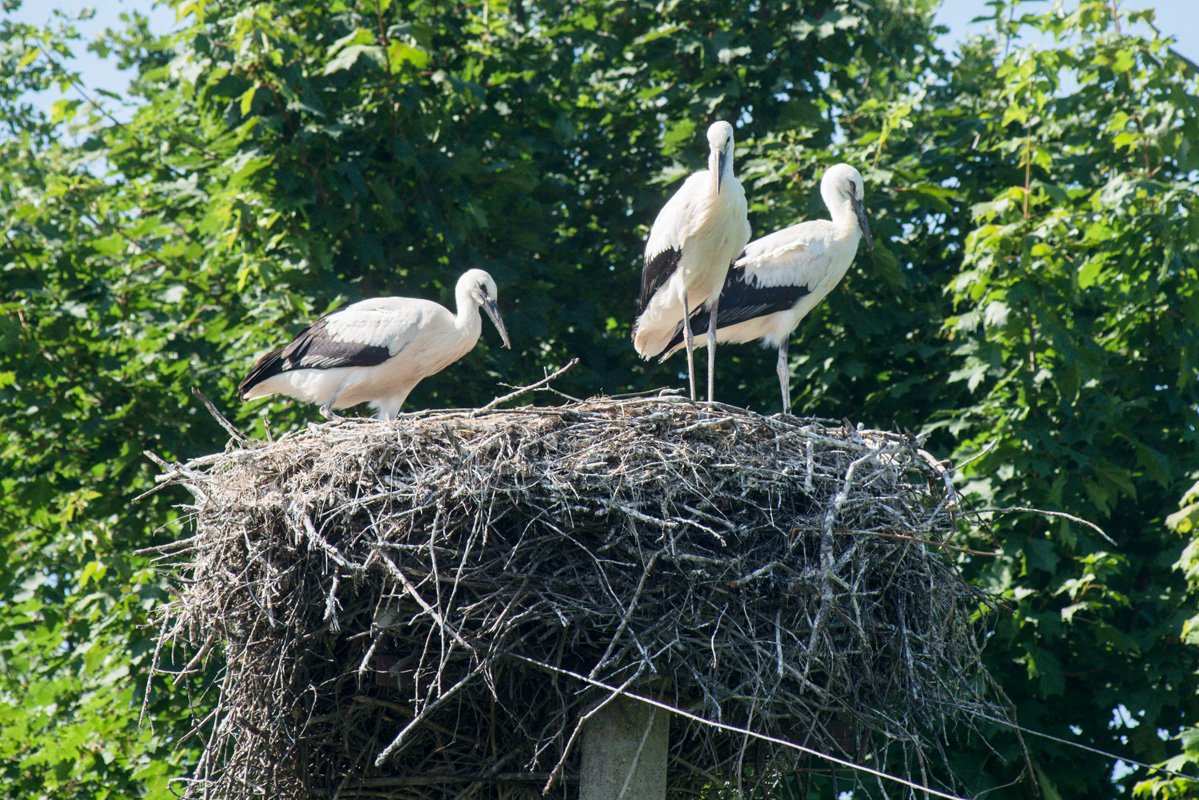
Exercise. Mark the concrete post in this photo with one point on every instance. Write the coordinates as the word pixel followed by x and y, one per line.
pixel 625 745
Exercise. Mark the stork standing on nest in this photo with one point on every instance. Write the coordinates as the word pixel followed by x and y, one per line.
pixel 784 275
pixel 695 237
pixel 376 351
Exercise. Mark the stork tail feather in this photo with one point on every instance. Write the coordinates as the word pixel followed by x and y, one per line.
pixel 266 367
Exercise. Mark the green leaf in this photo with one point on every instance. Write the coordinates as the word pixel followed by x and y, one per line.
pixel 247 100
pixel 1184 520
pixel 348 57
pixel 1089 272
pixel 1046 785
pixel 1044 666
pixel 400 54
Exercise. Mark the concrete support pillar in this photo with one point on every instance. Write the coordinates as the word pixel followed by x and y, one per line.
pixel 625 745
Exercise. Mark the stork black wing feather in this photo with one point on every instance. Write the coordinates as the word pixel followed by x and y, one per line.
pixel 313 348
pixel 740 301
pixel 657 270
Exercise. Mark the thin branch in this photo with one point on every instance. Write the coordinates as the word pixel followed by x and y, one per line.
pixel 523 390
pixel 237 435
pixel 1061 514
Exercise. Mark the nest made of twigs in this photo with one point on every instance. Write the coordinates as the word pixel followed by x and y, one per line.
pixel 427 608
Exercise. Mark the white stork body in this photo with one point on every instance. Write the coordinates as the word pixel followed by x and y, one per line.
pixel 784 275
pixel 694 238
pixel 376 351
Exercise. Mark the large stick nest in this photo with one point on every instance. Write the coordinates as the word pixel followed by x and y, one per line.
pixel 409 609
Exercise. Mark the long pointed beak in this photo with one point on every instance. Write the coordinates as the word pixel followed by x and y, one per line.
pixel 860 211
pixel 721 160
pixel 493 311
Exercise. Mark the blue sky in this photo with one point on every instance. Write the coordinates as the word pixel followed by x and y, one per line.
pixel 1177 18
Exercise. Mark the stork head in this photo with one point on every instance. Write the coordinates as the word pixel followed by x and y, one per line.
pixel 720 146
pixel 842 183
pixel 477 287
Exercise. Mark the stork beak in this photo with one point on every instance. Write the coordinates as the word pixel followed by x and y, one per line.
pixel 860 211
pixel 493 311
pixel 721 160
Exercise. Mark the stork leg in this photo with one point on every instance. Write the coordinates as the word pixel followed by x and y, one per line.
pixel 712 350
pixel 388 410
pixel 784 377
pixel 689 341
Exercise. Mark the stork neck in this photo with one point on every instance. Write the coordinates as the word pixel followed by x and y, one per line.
pixel 840 211
pixel 467 310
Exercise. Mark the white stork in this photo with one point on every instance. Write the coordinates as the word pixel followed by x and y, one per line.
pixel 782 276
pixel 376 351
pixel 695 237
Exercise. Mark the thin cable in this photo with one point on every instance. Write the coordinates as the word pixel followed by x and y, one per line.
pixel 1087 747
pixel 735 729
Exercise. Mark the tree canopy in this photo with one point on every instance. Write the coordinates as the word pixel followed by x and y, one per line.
pixel 1032 303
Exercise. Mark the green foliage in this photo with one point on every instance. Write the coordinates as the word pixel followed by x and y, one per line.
pixel 1182 523
pixel 96 267
pixel 1073 337
pixel 1034 285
